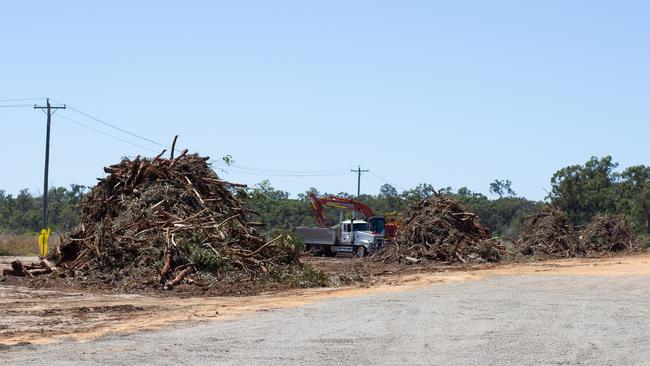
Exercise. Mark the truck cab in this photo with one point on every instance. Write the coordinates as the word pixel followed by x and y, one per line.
pixel 361 237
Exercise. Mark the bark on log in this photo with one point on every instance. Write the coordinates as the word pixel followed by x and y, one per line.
pixel 179 277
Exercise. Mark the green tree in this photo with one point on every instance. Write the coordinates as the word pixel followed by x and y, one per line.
pixel 583 191
pixel 634 196
pixel 420 192
pixel 388 190
pixel 502 188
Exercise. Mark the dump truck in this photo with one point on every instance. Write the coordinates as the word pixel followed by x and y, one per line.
pixel 357 237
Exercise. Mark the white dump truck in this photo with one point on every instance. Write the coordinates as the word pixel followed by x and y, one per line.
pixel 358 237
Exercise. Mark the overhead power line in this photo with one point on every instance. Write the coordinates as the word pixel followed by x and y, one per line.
pixel 241 168
pixel 19 99
pixel 16 105
pixel 276 172
pixel 292 172
pixel 370 180
pixel 106 134
pixel 117 127
pixel 235 170
pixel 387 181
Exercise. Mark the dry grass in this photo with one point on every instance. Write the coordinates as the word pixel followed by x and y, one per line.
pixel 23 245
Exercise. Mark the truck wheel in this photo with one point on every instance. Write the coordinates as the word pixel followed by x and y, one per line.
pixel 360 252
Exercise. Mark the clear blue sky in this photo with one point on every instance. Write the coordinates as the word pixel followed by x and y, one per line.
pixel 452 93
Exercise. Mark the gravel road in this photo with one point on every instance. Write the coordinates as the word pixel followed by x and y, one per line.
pixel 501 320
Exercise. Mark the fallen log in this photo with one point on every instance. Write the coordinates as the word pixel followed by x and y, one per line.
pixel 49 266
pixel 38 272
pixel 167 258
pixel 181 275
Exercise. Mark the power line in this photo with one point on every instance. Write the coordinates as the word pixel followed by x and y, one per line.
pixel 264 171
pixel 106 134
pixel 15 105
pixel 385 180
pixel 243 169
pixel 230 169
pixel 19 99
pixel 235 168
pixel 294 172
pixel 368 179
pixel 117 127
pixel 249 169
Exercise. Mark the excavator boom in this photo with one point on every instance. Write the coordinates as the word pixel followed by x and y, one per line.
pixel 338 202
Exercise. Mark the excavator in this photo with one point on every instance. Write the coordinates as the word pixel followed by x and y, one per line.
pixel 390 228
pixel 358 236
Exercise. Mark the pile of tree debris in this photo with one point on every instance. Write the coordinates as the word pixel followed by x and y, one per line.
pixel 549 233
pixel 608 233
pixel 162 223
pixel 440 229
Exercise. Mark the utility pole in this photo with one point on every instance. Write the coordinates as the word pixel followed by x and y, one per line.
pixel 359 171
pixel 49 109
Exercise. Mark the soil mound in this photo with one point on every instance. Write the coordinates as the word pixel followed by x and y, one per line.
pixel 608 233
pixel 162 223
pixel 548 232
pixel 440 229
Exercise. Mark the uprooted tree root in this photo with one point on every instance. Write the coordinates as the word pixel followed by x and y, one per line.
pixel 162 223
pixel 440 229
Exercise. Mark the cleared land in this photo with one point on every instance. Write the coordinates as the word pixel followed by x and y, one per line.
pixel 574 311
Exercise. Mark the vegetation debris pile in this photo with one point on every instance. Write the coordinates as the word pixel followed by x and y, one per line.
pixel 549 233
pixel 439 228
pixel 162 223
pixel 608 233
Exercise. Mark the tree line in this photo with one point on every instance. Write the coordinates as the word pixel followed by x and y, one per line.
pixel 504 216
pixel 582 191
pixel 23 214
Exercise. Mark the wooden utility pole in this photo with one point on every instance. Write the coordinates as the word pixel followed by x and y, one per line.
pixel 48 109
pixel 359 171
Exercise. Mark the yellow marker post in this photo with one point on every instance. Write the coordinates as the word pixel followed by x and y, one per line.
pixel 42 241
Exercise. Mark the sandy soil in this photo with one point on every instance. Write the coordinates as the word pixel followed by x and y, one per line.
pixel 42 316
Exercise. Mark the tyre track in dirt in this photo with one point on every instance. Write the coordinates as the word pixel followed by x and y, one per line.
pixel 41 316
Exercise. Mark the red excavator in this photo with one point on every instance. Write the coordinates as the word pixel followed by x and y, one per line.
pixel 352 205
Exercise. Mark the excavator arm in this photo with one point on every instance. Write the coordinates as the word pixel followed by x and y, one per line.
pixel 319 211
pixel 338 202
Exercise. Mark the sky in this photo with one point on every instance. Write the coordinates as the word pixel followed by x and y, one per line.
pixel 450 93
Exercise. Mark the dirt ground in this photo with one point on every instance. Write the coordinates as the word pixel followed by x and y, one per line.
pixel 39 316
